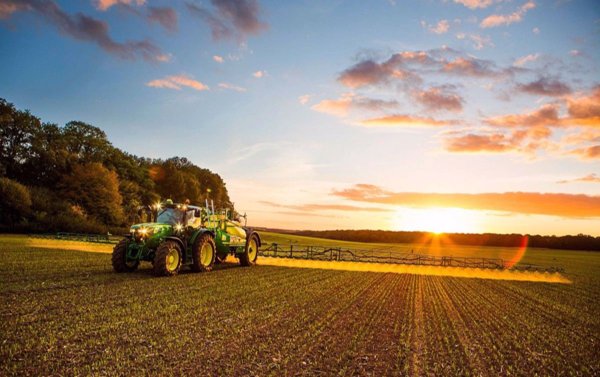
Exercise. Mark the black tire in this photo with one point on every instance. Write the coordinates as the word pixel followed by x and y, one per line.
pixel 250 254
pixel 204 262
pixel 119 258
pixel 167 259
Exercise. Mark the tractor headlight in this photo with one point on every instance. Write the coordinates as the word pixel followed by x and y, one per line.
pixel 142 233
pixel 178 227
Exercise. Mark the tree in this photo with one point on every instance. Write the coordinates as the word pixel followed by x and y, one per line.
pixel 78 181
pixel 15 202
pixel 95 189
pixel 17 129
pixel 86 143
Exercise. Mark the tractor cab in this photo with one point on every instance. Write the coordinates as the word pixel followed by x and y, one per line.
pixel 179 215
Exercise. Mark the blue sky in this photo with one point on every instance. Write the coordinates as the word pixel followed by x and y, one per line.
pixel 303 107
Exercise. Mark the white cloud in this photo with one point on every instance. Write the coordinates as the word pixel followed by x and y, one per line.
pixel 441 27
pixel 105 4
pixel 479 41
pixel 304 99
pixel 495 20
pixel 177 83
pixel 259 74
pixel 474 4
pixel 526 59
pixel 225 85
pixel 218 59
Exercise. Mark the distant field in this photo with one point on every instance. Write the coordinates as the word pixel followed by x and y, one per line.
pixel 570 260
pixel 64 312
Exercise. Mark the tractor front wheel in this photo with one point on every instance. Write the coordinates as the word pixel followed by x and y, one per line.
pixel 119 258
pixel 167 259
pixel 248 258
pixel 204 253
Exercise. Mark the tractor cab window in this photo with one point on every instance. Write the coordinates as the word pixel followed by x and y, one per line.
pixel 192 220
pixel 170 216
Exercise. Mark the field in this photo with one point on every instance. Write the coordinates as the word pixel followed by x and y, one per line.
pixel 64 312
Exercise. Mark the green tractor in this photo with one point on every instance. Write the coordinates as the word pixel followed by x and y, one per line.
pixel 186 235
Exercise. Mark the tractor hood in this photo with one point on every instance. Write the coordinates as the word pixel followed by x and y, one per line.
pixel 151 228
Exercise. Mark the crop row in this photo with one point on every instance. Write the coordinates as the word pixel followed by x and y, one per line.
pixel 66 312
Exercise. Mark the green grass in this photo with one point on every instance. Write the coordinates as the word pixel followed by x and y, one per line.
pixel 64 312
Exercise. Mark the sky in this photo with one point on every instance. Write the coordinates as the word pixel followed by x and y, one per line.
pixel 438 115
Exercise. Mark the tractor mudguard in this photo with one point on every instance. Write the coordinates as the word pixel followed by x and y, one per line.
pixel 249 233
pixel 199 233
pixel 179 242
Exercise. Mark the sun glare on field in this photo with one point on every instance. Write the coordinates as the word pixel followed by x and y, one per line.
pixel 436 220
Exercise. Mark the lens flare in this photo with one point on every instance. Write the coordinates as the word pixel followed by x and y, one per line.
pixel 519 254
pixel 461 272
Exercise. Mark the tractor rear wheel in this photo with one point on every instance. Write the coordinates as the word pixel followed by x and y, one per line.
pixel 119 258
pixel 167 259
pixel 248 257
pixel 204 253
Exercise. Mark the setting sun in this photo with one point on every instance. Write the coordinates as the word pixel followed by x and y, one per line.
pixel 437 220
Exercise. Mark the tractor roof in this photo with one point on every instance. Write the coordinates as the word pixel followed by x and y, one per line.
pixel 179 205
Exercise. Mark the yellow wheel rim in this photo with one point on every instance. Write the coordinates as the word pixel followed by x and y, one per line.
pixel 172 259
pixel 206 254
pixel 252 249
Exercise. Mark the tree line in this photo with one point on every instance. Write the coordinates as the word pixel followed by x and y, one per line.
pixel 576 242
pixel 73 179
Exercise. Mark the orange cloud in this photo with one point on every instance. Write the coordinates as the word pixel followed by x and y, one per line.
pixel 400 120
pixel 547 115
pixel 470 67
pixel 585 109
pixel 366 73
pixel 439 98
pixel 177 83
pixel 546 87
pixel 588 135
pixel 105 4
pixel 590 178
pixel 507 19
pixel 480 143
pixel 341 107
pixel 552 204
pixel 326 207
pixel 406 66
pixel 588 153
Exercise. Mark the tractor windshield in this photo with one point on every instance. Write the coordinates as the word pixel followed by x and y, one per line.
pixel 170 216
